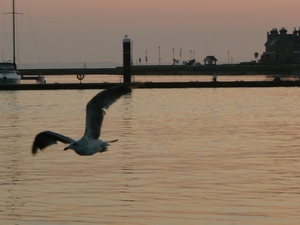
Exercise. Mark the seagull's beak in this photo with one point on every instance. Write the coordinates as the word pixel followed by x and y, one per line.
pixel 66 148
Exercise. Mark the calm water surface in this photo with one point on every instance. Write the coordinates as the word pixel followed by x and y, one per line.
pixel 184 156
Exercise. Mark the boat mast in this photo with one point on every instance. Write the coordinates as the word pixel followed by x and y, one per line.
pixel 14 35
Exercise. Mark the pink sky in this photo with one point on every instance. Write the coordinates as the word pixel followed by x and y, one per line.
pixel 92 30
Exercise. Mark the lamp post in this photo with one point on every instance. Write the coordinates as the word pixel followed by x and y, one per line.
pixel 146 58
pixel 228 56
pixel 173 57
pixel 159 55
pixel 180 55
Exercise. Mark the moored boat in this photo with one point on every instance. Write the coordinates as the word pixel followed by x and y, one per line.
pixel 8 70
pixel 9 74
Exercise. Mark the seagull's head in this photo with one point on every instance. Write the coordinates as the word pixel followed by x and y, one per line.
pixel 80 147
pixel 74 145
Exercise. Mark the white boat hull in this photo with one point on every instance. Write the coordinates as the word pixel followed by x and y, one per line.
pixel 10 79
pixel 8 74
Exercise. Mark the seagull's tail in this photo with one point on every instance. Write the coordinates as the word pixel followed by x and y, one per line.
pixel 105 145
pixel 112 141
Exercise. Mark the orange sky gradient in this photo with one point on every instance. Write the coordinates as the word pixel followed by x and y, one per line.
pixel 92 30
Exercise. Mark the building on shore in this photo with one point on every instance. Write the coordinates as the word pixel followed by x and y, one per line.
pixel 281 47
pixel 210 60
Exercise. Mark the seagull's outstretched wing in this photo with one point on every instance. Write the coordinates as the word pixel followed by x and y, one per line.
pixel 47 138
pixel 94 108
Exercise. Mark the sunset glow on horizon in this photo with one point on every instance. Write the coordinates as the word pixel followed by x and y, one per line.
pixel 92 30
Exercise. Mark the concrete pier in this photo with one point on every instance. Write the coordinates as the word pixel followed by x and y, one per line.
pixel 233 84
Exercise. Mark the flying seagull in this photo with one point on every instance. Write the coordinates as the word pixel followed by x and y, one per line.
pixel 89 143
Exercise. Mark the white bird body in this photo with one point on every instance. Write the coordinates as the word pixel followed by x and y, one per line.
pixel 89 144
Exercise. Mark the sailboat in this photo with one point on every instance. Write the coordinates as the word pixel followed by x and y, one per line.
pixel 8 70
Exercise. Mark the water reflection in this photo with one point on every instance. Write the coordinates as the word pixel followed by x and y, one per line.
pixel 126 119
pixel 11 134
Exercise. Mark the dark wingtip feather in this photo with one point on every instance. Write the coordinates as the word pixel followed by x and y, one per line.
pixel 41 141
pixel 34 150
pixel 126 87
pixel 47 138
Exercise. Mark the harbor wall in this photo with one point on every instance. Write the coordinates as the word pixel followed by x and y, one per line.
pixel 228 69
pixel 231 84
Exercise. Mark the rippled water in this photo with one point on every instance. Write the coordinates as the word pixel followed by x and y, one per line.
pixel 184 156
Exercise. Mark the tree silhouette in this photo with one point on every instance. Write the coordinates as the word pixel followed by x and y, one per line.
pixel 256 55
